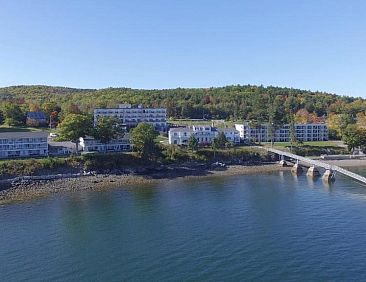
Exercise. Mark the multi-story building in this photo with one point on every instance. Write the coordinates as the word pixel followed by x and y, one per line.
pixel 304 132
pixel 89 144
pixel 131 116
pixel 204 134
pixel 23 144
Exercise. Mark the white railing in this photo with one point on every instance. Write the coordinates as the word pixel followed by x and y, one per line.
pixel 319 164
pixel 349 173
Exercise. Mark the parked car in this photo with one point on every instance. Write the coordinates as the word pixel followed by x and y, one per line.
pixel 219 164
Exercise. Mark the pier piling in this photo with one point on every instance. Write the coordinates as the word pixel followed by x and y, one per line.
pixel 328 176
pixel 296 169
pixel 313 172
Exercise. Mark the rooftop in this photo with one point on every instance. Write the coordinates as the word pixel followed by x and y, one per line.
pixel 180 129
pixel 226 129
pixel 125 136
pixel 23 134
pixel 66 144
pixel 36 115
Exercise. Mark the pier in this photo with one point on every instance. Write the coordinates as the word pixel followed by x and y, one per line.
pixel 313 171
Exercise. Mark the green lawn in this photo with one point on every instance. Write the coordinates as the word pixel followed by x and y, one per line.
pixel 161 139
pixel 19 129
pixel 310 143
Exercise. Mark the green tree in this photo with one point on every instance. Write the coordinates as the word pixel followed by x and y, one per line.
pixel 192 143
pixel 75 126
pixel 14 115
pixel 172 152
pixel 215 146
pixel 345 120
pixel 221 140
pixel 351 137
pixel 271 119
pixel 292 131
pixel 362 136
pixel 1 117
pixel 291 105
pixel 143 139
pixel 107 129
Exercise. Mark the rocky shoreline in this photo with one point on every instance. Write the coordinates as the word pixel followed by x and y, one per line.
pixel 28 188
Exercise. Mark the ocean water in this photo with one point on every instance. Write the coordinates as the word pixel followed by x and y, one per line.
pixel 264 227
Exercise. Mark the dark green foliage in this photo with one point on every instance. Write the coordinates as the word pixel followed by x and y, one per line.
pixel 13 114
pixel 107 128
pixel 192 143
pixel 75 126
pixel 2 119
pixel 112 161
pixel 221 140
pixel 13 168
pixel 354 137
pixel 292 131
pixel 234 155
pixel 143 139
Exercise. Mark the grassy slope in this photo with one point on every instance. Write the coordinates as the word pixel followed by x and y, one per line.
pixel 19 129
pixel 312 143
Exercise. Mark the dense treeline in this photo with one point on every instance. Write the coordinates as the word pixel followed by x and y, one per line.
pixel 237 102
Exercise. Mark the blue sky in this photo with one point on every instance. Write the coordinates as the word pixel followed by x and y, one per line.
pixel 308 44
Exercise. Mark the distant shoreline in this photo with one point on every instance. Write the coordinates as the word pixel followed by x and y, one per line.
pixel 36 189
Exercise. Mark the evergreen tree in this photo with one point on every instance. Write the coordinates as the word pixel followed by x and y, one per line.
pixel 192 143
pixel 221 140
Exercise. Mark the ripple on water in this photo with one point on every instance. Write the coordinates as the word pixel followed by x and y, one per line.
pixel 253 227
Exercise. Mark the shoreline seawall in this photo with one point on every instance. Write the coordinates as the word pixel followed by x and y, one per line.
pixel 23 188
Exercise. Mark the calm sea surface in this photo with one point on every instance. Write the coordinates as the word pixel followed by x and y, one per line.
pixel 253 227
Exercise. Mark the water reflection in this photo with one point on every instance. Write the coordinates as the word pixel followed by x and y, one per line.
pixel 295 177
pixel 311 181
pixel 327 185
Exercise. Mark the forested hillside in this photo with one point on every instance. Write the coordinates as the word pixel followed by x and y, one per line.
pixel 231 102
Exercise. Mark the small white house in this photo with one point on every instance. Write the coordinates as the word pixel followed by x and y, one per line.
pixel 89 144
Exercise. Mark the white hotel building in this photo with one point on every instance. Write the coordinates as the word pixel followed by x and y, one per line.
pixel 23 144
pixel 130 116
pixel 89 144
pixel 203 133
pixel 304 132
